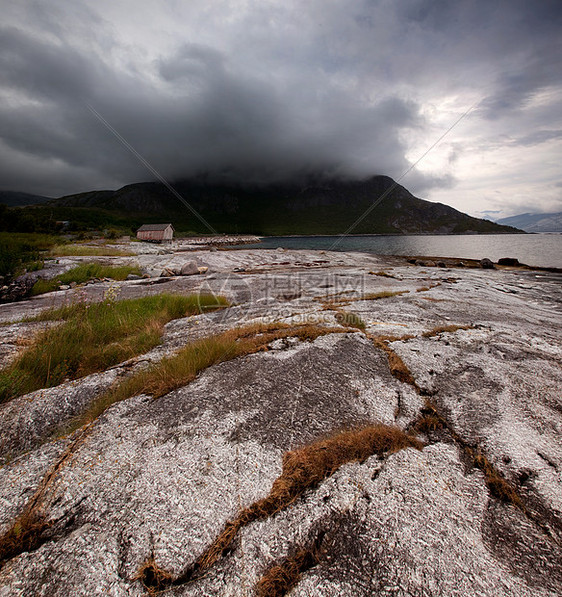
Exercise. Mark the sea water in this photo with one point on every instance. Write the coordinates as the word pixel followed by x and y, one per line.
pixel 544 250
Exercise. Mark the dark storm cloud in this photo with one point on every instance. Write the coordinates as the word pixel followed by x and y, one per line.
pixel 262 93
pixel 235 126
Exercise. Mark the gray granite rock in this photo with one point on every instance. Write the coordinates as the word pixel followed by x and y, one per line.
pixel 189 269
pixel 158 479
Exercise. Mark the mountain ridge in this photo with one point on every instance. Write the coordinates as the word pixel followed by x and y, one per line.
pixel 318 207
pixel 17 198
pixel 547 222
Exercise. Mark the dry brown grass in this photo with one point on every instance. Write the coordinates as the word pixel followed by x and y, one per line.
pixel 429 423
pixel 331 306
pixel 446 329
pixel 398 368
pixel 499 487
pixel 181 368
pixel 426 288
pixel 373 296
pixel 343 295
pixel 153 578
pixel 350 320
pixel 280 579
pixel 26 534
pixel 334 302
pixel 436 331
pixel 303 469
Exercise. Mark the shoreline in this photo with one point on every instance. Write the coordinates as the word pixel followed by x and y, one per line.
pixel 537 250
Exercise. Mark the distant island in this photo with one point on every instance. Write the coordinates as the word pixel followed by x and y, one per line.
pixel 551 222
pixel 319 206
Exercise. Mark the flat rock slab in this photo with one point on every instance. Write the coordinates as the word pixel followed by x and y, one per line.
pixel 159 478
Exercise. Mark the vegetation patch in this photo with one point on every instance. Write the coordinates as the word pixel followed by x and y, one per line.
pixel 373 296
pixel 304 469
pixel 78 250
pixel 446 329
pixel 31 528
pixel 84 273
pixel 350 320
pixel 335 298
pixel 426 288
pixel 398 368
pixel 154 578
pixel 178 370
pixel 432 421
pixel 94 337
pixel 429 422
pixel 26 534
pixel 308 466
pixel 20 252
pixel 281 578
pixel 496 482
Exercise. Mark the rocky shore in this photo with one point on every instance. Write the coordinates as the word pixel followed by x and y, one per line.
pixel 247 481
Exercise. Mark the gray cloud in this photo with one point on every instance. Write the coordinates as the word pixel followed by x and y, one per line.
pixel 266 92
pixel 537 137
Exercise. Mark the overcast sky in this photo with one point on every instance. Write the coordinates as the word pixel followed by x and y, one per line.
pixel 269 89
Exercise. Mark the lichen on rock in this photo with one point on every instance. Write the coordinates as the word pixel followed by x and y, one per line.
pixel 137 500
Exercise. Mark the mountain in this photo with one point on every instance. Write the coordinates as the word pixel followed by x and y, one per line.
pixel 16 199
pixel 535 222
pixel 319 207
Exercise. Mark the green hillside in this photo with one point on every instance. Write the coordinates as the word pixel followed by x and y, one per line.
pixel 325 207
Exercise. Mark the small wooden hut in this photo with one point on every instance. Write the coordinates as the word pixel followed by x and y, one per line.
pixel 156 233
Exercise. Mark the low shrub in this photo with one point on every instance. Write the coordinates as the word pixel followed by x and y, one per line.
pixel 22 251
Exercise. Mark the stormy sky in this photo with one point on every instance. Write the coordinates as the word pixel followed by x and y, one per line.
pixel 264 90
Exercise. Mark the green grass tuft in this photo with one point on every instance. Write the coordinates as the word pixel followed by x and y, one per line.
pixel 94 337
pixel 179 369
pixel 77 250
pixel 84 273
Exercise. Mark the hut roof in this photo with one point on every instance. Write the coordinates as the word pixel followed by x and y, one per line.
pixel 153 227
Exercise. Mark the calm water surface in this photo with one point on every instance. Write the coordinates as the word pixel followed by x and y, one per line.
pixel 543 250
